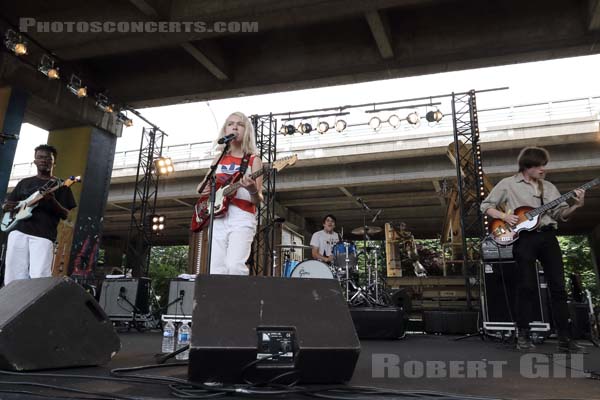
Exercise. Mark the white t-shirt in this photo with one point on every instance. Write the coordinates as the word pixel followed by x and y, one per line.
pixel 324 241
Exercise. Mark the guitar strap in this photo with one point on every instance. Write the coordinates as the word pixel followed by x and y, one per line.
pixel 244 164
pixel 541 187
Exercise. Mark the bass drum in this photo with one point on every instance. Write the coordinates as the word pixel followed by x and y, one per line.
pixel 312 269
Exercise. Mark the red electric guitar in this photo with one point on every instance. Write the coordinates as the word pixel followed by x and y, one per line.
pixel 224 194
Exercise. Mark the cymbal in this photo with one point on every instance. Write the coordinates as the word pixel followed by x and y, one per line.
pixel 370 230
pixel 293 246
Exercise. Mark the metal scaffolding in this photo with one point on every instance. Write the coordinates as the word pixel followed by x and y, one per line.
pixel 265 128
pixel 139 238
pixel 469 172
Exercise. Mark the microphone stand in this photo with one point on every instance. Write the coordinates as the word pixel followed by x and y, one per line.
pixel 210 178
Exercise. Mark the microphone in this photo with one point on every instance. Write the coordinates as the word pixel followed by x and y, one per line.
pixel 362 202
pixel 227 138
pixel 377 215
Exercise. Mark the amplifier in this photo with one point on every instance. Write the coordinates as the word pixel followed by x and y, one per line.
pixel 490 250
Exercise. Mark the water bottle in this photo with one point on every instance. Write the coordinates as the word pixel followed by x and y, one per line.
pixel 184 339
pixel 168 342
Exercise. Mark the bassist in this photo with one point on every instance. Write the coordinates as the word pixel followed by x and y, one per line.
pixel 30 245
pixel 529 188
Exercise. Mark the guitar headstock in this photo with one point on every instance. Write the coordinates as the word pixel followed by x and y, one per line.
pixel 71 180
pixel 284 162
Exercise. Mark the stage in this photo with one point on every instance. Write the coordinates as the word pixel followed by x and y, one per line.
pixel 469 367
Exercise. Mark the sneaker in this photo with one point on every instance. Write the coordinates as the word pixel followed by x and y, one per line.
pixel 524 341
pixel 566 345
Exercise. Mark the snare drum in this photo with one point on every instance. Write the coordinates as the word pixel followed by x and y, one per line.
pixel 339 255
pixel 312 269
pixel 288 267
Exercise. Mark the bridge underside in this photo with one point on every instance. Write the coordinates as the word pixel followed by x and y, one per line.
pixel 407 186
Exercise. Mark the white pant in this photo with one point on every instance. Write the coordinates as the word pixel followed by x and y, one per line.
pixel 27 257
pixel 232 242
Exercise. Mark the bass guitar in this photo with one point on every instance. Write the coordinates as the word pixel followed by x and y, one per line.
pixel 224 194
pixel 24 209
pixel 529 218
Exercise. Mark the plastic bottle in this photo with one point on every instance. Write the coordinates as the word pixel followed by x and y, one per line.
pixel 184 338
pixel 168 341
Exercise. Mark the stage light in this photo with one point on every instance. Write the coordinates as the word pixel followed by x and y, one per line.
pixel 340 125
pixel 305 127
pixel 15 43
pixel 122 118
pixel 103 104
pixel 75 87
pixel 394 121
pixel 322 127
pixel 434 116
pixel 413 118
pixel 375 123
pixel 47 67
pixel 287 129
pixel 157 222
pixel 163 166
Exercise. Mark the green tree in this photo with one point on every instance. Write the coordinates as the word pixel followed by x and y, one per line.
pixel 577 257
pixel 166 263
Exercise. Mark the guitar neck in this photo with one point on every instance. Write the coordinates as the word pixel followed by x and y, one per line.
pixel 235 186
pixel 39 195
pixel 564 197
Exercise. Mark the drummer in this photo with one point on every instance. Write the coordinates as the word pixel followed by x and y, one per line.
pixel 322 242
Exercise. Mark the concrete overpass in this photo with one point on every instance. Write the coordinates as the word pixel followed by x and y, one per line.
pixel 403 172
pixel 298 44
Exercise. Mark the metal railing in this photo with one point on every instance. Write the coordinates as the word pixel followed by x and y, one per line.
pixel 547 113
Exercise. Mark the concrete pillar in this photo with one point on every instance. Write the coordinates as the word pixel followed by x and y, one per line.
pixel 87 152
pixel 13 102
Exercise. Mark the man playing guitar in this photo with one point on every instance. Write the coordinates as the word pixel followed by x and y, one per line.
pixel 529 188
pixel 30 245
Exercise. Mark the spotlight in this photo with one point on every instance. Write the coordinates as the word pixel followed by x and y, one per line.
pixel 122 118
pixel 287 129
pixel 103 104
pixel 15 43
pixel 305 127
pixel 375 123
pixel 340 125
pixel 163 166
pixel 47 67
pixel 322 127
pixel 75 87
pixel 413 118
pixel 434 116
pixel 394 121
pixel 157 222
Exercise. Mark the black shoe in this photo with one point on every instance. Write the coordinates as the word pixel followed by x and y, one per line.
pixel 566 345
pixel 524 341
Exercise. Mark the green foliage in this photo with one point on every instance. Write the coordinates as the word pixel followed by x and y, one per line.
pixel 165 264
pixel 577 257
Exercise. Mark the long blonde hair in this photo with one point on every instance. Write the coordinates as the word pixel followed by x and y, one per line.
pixel 249 141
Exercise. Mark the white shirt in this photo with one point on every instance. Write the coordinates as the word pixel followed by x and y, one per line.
pixel 324 241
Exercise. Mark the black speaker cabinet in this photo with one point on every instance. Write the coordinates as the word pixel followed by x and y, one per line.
pixel 52 323
pixel 500 294
pixel 181 298
pixel 121 298
pixel 450 322
pixel 255 328
pixel 581 327
pixel 379 322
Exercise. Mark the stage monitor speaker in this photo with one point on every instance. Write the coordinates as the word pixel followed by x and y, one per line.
pixel 581 327
pixel 379 322
pixel 52 323
pixel 256 328
pixel 181 298
pixel 121 298
pixel 500 293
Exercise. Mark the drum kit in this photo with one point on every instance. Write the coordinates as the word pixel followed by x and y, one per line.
pixel 360 287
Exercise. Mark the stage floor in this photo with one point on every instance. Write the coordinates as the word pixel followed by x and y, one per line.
pixel 417 362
